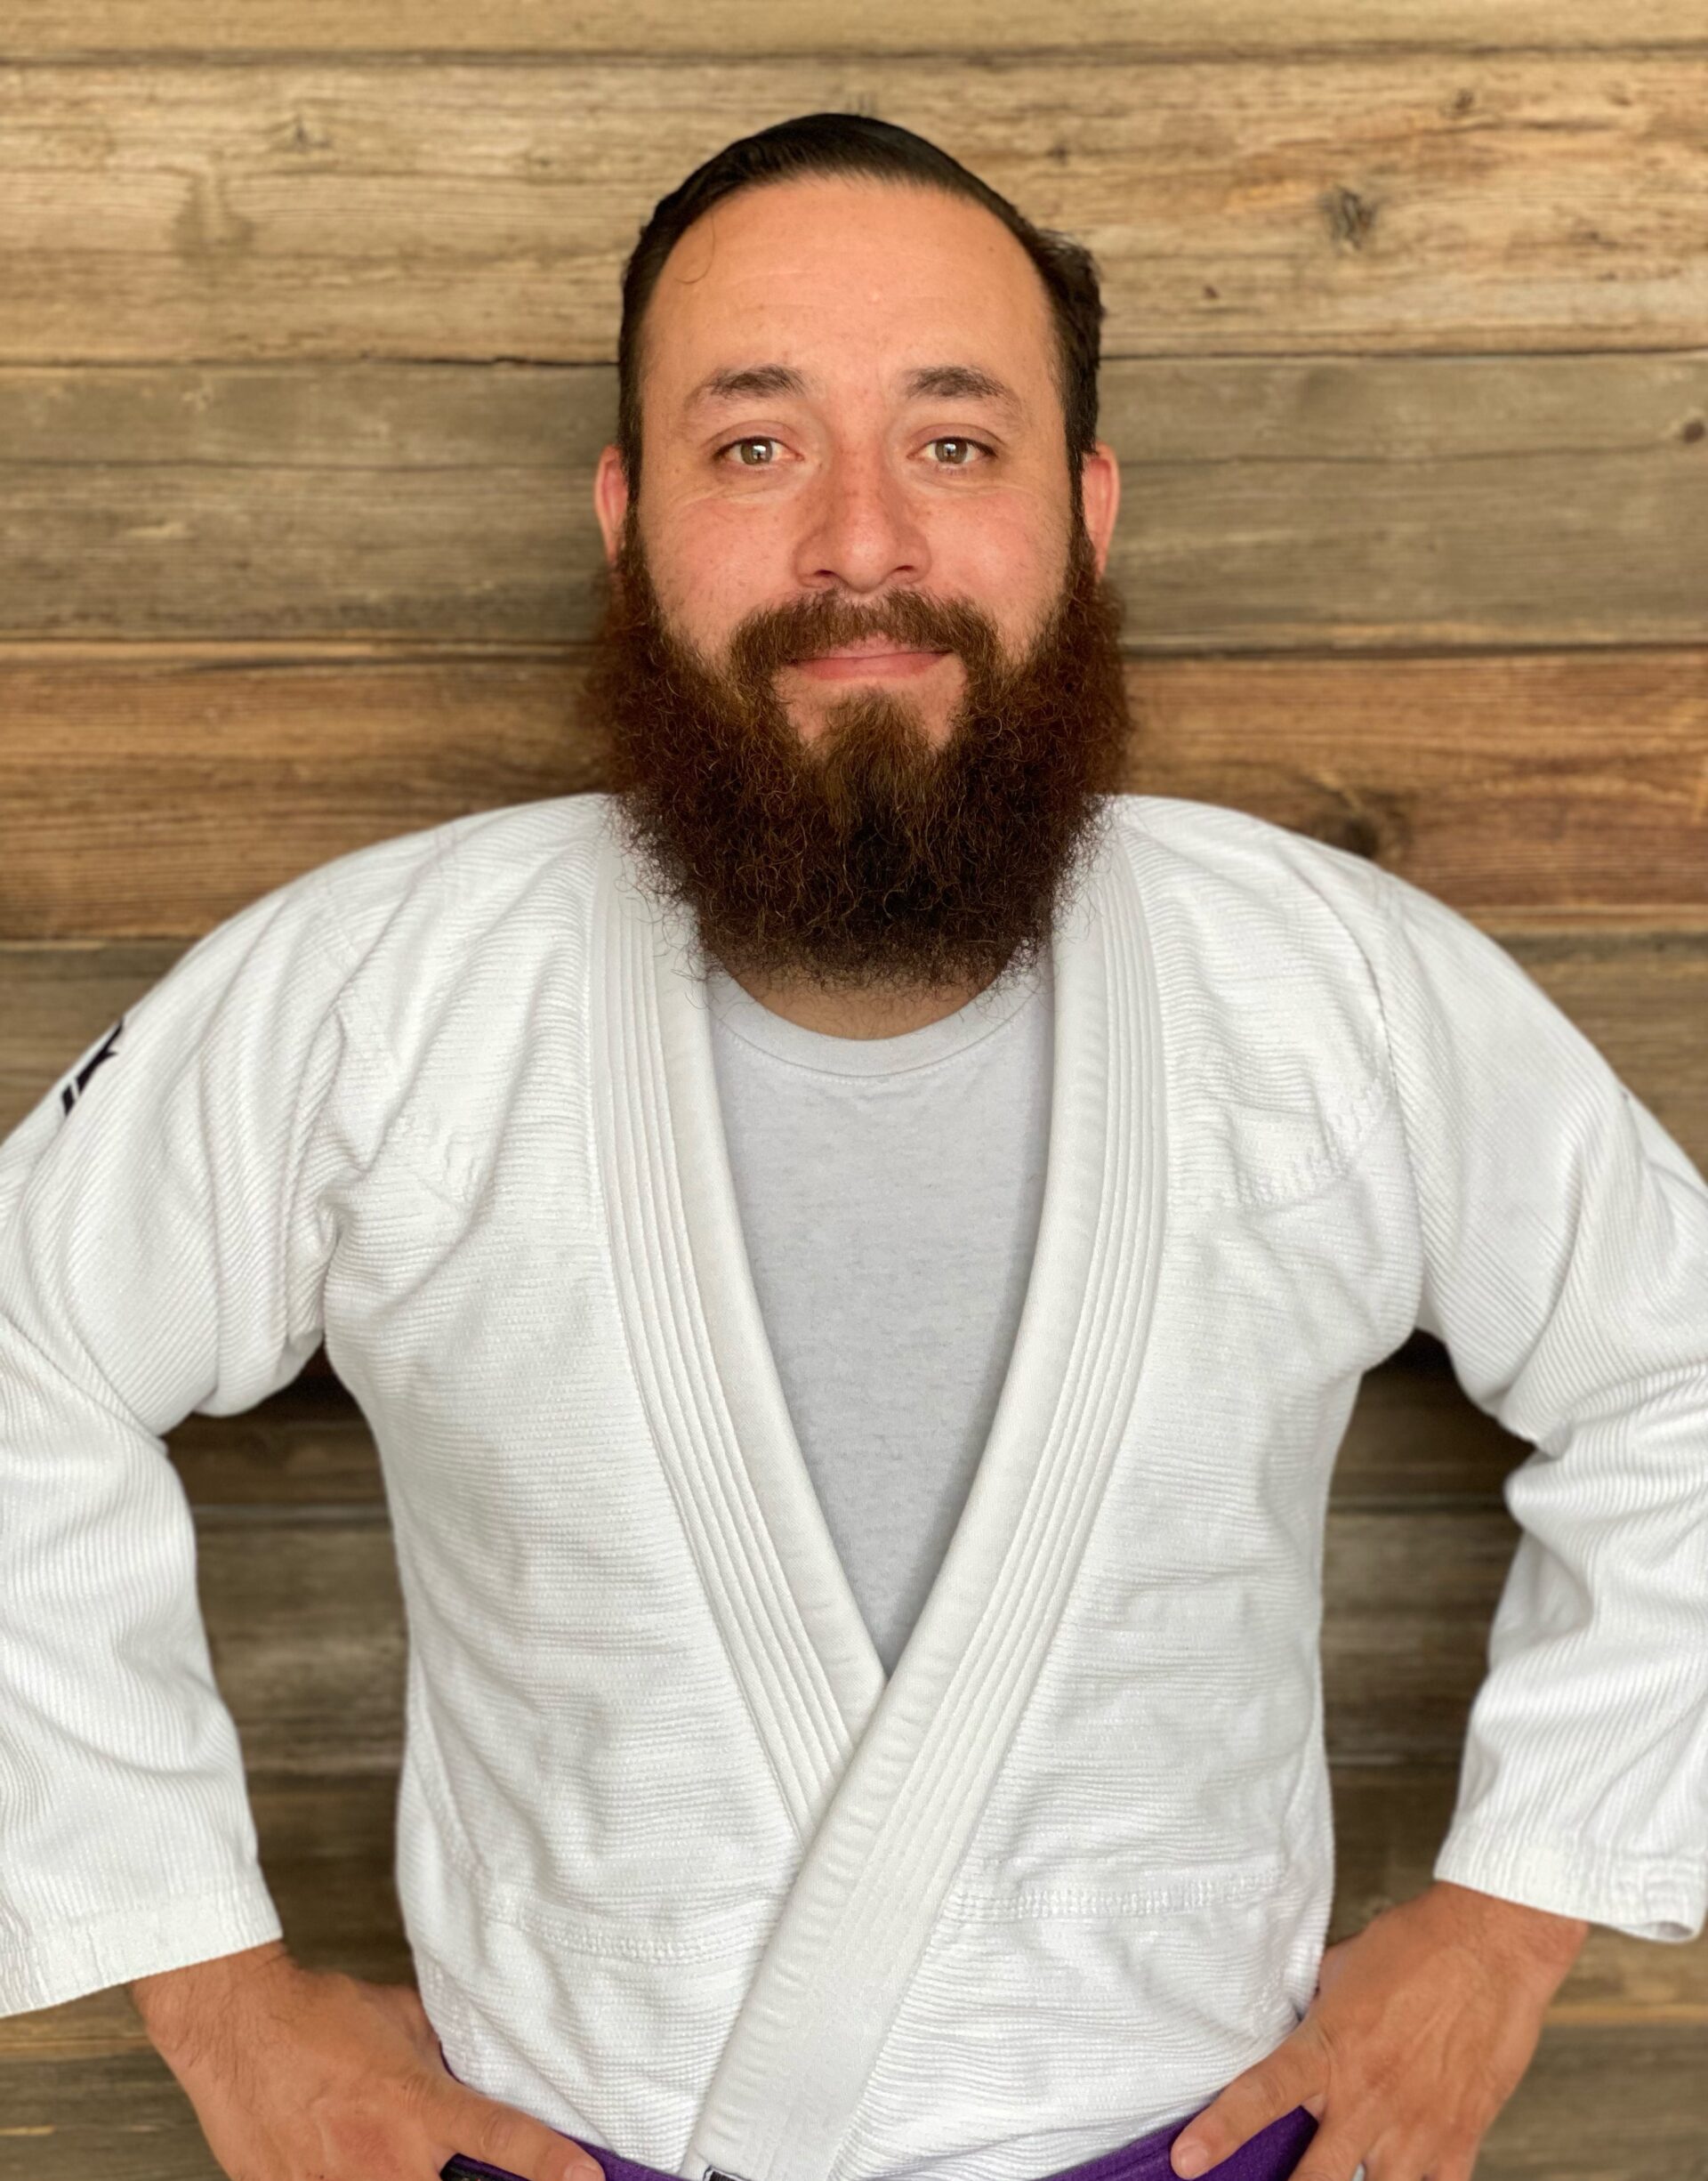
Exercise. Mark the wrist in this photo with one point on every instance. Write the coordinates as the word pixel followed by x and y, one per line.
pixel 1541 1936
pixel 173 2003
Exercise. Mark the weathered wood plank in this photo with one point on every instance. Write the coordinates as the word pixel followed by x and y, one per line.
pixel 971 28
pixel 1414 1441
pixel 1604 2105
pixel 1640 994
pixel 310 1446
pixel 305 1628
pixel 1596 2104
pixel 56 1001
pixel 1389 1822
pixel 150 791
pixel 327 1849
pixel 1272 502
pixel 1407 1600
pixel 1432 200
pixel 1518 781
pixel 156 789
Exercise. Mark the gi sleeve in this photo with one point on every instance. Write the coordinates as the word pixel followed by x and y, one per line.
pixel 1565 1246
pixel 162 1249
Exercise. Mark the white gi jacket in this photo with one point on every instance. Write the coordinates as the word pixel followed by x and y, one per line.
pixel 683 1874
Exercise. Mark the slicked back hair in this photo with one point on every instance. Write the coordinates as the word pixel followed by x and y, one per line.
pixel 814 144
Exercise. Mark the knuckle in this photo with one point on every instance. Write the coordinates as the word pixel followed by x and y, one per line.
pixel 1325 2035
pixel 502 2138
pixel 1457 2152
pixel 1395 2157
pixel 421 2098
pixel 1328 2162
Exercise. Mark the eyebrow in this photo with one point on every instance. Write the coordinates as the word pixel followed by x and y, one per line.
pixel 962 383
pixel 741 386
pixel 941 382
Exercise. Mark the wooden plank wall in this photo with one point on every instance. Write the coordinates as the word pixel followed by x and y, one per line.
pixel 307 318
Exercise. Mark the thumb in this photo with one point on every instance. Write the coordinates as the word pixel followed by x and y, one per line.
pixel 513 2145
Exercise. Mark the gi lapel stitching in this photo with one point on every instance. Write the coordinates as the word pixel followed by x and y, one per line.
pixel 800 1717
pixel 872 1883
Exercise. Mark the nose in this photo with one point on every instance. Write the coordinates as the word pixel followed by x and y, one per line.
pixel 860 531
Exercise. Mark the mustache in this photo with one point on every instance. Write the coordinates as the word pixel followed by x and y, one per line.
pixel 878 859
pixel 807 627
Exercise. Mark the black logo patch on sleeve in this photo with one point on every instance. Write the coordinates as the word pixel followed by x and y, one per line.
pixel 79 1082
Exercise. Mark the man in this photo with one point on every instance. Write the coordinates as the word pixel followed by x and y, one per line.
pixel 857 1249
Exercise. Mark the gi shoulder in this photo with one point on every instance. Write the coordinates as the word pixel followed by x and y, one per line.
pixel 429 870
pixel 471 947
pixel 1266 946
pixel 416 912
pixel 246 1004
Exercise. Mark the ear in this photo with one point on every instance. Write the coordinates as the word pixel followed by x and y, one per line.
pixel 1099 483
pixel 610 499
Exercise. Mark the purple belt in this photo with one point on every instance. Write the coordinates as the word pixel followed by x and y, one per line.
pixel 1270 2155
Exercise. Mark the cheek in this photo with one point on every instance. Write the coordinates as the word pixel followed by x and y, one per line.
pixel 713 564
pixel 1009 558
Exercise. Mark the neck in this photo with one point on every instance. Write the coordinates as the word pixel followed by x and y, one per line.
pixel 857 1015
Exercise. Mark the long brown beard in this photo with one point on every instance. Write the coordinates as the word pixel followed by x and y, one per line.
pixel 868 858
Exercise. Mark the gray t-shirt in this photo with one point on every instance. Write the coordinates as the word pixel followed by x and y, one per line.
pixel 890 1189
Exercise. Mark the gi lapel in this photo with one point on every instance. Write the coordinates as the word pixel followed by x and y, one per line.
pixel 884 1782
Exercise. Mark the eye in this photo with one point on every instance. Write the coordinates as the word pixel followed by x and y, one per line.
pixel 764 462
pixel 965 449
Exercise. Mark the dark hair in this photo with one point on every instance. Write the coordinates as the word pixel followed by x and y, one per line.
pixel 858 144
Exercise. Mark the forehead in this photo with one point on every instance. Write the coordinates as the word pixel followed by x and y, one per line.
pixel 851 280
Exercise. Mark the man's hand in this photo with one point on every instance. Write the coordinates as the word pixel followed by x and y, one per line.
pixel 303 2075
pixel 1420 2028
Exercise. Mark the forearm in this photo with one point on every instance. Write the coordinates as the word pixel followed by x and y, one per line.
pixel 175 2003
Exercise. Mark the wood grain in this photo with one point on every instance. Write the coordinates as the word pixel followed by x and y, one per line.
pixel 153 790
pixel 1389 1822
pixel 1601 2104
pixel 1270 502
pixel 1420 200
pixel 972 28
pixel 305 364
pixel 1414 1442
pixel 306 1632
pixel 327 1845
pixel 306 1624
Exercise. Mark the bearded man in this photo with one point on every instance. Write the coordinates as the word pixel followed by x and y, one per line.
pixel 858 1245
